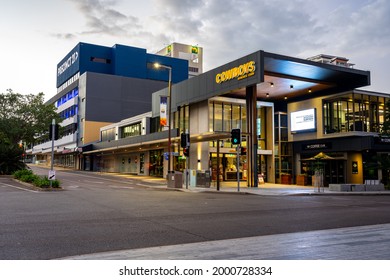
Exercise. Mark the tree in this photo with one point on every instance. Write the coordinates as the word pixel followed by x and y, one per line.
pixel 22 119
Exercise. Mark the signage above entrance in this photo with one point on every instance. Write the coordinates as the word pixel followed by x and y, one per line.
pixel 240 72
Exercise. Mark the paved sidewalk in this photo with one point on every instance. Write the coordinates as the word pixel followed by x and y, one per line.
pixel 267 189
pixel 350 243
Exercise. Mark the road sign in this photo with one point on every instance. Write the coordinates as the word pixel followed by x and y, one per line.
pixel 52 174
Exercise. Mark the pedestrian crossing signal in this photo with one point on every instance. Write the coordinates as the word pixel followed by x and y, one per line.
pixel 236 136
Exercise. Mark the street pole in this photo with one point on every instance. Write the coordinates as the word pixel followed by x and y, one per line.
pixel 169 118
pixel 238 167
pixel 53 127
pixel 169 68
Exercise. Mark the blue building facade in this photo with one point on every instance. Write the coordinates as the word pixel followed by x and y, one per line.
pixel 99 85
pixel 119 60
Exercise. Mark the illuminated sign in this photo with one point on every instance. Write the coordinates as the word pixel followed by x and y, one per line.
pixel 194 49
pixel 316 146
pixel 304 120
pixel 67 63
pixel 240 72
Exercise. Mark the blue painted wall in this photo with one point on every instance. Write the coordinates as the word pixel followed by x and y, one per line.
pixel 119 60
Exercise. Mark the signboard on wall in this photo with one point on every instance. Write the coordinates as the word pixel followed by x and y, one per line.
pixel 317 146
pixel 355 167
pixel 68 66
pixel 303 121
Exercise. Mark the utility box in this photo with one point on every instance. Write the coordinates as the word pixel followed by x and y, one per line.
pixel 171 179
pixel 203 179
pixel 175 179
pixel 178 180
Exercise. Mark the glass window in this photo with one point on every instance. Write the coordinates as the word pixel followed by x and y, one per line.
pixel 353 113
pixel 218 117
pixel 131 130
pixel 236 116
pixel 227 117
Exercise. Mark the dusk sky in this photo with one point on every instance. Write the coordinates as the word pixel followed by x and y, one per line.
pixel 36 35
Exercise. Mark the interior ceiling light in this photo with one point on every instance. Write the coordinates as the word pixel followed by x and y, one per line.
pixel 309 90
pixel 291 86
pixel 285 98
pixel 267 94
pixel 272 84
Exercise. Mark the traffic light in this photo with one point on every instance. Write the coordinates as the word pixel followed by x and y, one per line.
pixel 186 151
pixel 184 140
pixel 236 136
pixel 56 131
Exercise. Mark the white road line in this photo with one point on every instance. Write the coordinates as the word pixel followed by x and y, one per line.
pixel 15 187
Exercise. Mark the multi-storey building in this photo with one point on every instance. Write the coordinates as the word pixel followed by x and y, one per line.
pixel 97 86
pixel 192 53
pixel 288 110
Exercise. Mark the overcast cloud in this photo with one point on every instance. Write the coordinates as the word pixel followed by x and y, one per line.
pixel 227 29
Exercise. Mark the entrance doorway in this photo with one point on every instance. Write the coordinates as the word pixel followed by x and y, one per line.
pixel 334 170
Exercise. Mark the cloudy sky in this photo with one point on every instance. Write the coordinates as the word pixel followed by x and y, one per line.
pixel 36 35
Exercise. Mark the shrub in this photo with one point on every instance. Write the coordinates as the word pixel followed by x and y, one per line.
pixel 28 178
pixel 44 182
pixel 18 174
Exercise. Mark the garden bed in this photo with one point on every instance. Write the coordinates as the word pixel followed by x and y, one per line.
pixel 28 179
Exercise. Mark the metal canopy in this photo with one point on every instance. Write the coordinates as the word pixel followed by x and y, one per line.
pixel 293 79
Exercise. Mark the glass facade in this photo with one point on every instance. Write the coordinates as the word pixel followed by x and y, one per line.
pixel 283 149
pixel 182 118
pixel 156 160
pixel 354 112
pixel 223 117
pixel 69 112
pixel 108 134
pixel 131 130
pixel 67 96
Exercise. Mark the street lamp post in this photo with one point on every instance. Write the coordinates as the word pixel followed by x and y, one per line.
pixel 169 68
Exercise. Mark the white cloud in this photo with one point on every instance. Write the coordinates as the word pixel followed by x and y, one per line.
pixel 227 30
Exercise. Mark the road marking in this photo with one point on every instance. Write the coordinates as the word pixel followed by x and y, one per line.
pixel 15 187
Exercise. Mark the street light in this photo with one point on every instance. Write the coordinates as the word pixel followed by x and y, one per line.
pixel 169 68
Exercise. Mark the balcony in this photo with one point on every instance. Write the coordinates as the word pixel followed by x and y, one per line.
pixel 69 121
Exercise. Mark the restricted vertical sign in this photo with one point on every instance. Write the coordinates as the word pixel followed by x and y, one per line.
pixel 52 174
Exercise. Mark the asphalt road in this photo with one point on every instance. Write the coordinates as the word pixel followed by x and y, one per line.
pixel 97 213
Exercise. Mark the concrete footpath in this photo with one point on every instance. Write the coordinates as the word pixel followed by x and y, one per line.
pixel 266 189
pixel 350 243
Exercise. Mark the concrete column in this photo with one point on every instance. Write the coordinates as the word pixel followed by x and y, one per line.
pixel 251 154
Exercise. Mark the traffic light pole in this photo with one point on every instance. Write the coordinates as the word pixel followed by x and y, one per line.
pixel 187 173
pixel 238 167
pixel 53 128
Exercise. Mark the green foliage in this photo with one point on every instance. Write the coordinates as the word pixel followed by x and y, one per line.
pixel 22 119
pixel 10 157
pixel 44 182
pixel 28 176
pixel 18 174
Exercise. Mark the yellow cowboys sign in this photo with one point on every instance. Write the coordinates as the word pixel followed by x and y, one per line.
pixel 241 72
